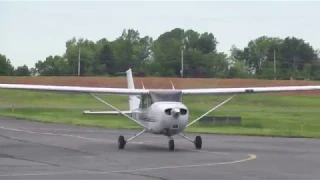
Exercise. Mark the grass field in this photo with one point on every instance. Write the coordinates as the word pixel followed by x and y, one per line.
pixel 268 115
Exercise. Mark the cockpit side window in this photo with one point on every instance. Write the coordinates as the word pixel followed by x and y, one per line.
pixel 146 101
pixel 149 101
pixel 142 102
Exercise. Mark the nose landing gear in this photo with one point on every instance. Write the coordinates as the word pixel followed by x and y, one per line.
pixel 171 144
pixel 167 133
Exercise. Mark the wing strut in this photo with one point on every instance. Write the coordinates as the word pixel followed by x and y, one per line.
pixel 144 130
pixel 104 102
pixel 216 107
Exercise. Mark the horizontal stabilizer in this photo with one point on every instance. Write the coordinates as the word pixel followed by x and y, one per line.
pixel 106 112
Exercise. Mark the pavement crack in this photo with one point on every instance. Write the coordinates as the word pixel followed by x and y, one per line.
pixel 143 175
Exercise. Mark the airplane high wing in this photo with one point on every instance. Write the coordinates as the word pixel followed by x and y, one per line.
pixel 126 91
pixel 76 89
pixel 106 112
pixel 248 90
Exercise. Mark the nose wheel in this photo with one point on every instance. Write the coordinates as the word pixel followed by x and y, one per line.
pixel 171 144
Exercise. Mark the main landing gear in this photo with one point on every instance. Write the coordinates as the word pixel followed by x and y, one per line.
pixel 197 141
pixel 122 142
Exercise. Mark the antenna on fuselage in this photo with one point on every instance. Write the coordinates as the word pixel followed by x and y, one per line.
pixel 142 85
pixel 172 85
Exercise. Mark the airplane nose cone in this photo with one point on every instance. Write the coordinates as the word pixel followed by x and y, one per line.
pixel 175 112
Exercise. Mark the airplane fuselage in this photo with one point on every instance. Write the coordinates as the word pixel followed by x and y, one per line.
pixel 166 118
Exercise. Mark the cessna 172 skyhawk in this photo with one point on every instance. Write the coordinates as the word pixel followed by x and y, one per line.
pixel 158 111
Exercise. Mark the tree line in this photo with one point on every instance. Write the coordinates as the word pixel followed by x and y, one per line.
pixel 264 57
pixel 6 68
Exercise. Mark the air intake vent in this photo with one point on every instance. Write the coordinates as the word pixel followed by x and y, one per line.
pixel 175 126
pixel 168 111
pixel 183 111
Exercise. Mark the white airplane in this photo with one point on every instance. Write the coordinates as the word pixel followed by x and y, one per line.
pixel 158 111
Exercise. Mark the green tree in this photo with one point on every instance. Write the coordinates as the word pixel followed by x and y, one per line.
pixel 237 65
pixel 315 70
pixel 131 51
pixel 206 43
pixel 52 66
pixel 167 52
pixel 22 71
pixel 237 70
pixel 296 56
pixel 107 61
pixel 217 65
pixel 162 57
pixel 6 69
pixel 33 72
pixel 259 52
pixel 191 39
pixel 142 54
pixel 88 54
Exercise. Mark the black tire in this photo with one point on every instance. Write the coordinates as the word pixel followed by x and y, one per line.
pixel 198 142
pixel 121 142
pixel 171 145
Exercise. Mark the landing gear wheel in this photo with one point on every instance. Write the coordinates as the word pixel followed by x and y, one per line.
pixel 198 142
pixel 171 145
pixel 121 142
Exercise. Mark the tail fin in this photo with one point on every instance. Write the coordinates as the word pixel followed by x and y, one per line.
pixel 134 101
pixel 130 79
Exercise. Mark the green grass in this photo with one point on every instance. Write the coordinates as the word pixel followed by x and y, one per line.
pixel 267 115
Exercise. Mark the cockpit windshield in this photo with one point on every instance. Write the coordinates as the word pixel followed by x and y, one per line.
pixel 160 96
pixel 173 96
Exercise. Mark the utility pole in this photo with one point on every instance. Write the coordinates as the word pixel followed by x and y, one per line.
pixel 182 51
pixel 79 62
pixel 182 62
pixel 274 64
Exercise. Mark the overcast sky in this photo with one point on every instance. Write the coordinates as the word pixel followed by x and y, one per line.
pixel 33 30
